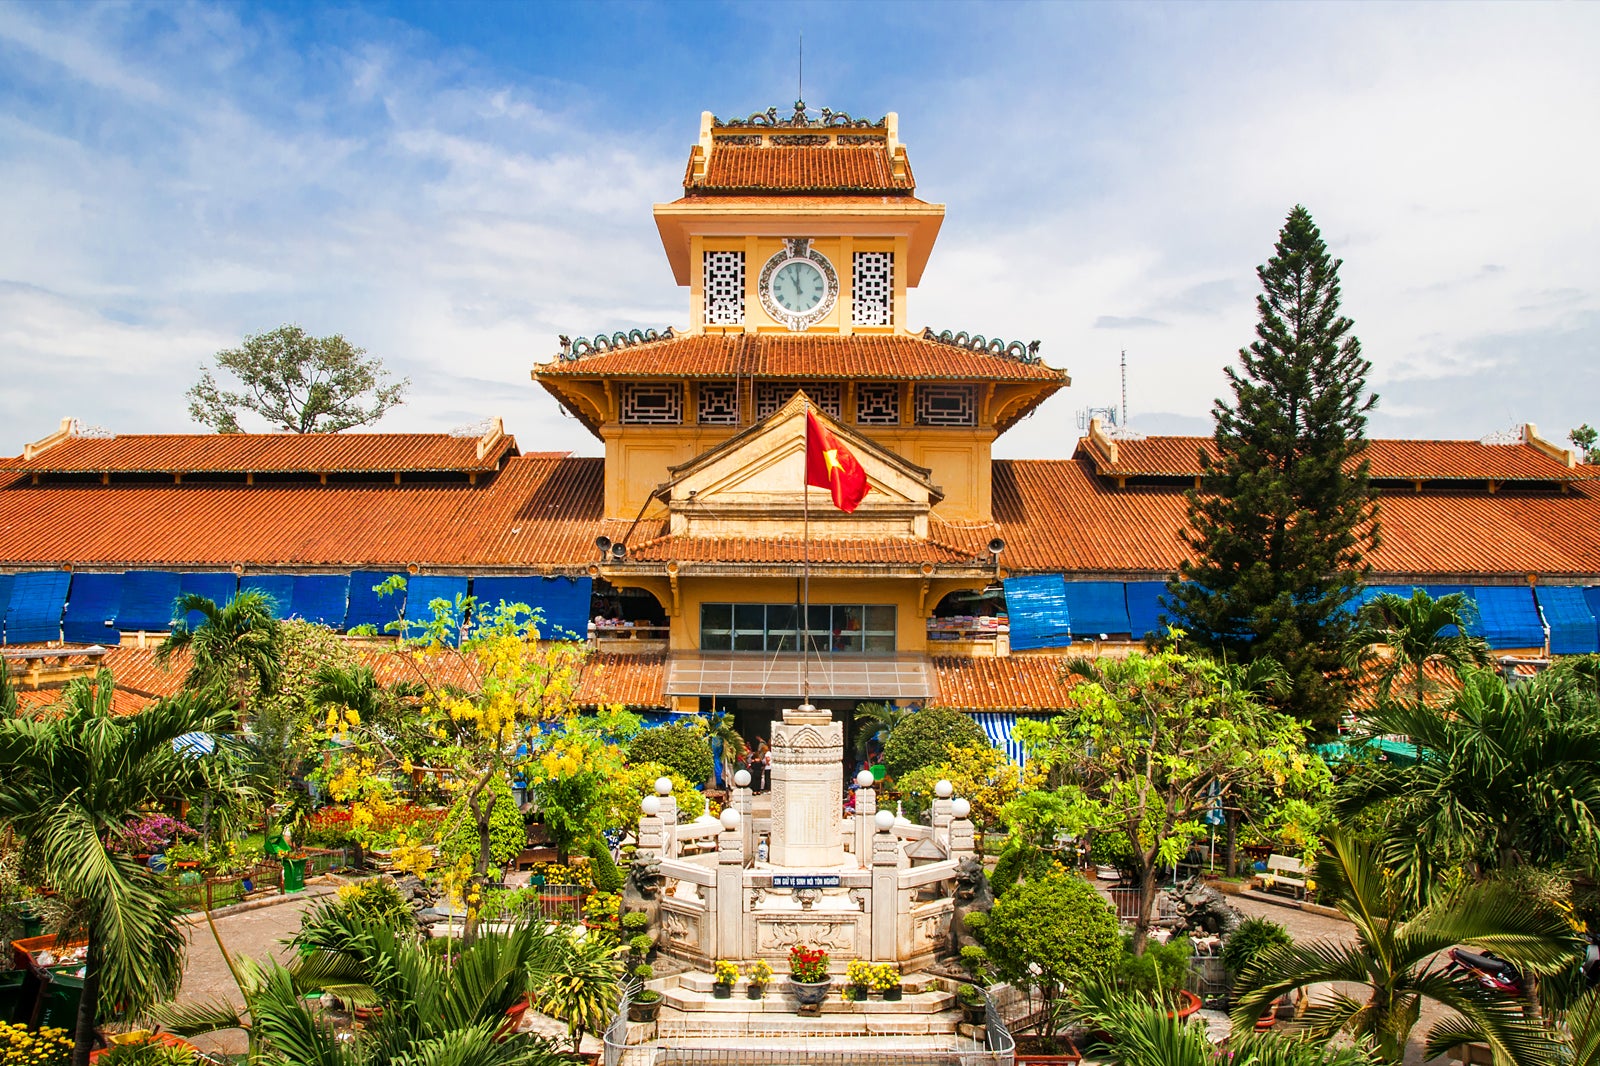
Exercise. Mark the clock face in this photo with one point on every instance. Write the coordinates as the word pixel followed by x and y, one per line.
pixel 798 286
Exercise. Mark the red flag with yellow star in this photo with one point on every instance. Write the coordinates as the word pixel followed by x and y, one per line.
pixel 829 465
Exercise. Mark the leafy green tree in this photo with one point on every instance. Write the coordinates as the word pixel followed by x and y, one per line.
pixel 877 721
pixel 1282 525
pixel 1395 635
pixel 1048 933
pixel 234 649
pixel 1505 777
pixel 508 830
pixel 297 382
pixel 1397 957
pixel 1155 742
pixel 924 738
pixel 1584 439
pixel 681 745
pixel 69 783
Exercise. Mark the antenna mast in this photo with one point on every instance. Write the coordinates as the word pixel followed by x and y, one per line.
pixel 1124 418
pixel 800 80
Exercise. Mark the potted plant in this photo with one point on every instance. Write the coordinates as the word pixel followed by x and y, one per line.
pixel 858 979
pixel 759 973
pixel 808 973
pixel 646 1002
pixel 724 975
pixel 974 1007
pixel 885 980
pixel 853 993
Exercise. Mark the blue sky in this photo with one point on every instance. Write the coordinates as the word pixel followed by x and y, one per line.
pixel 451 186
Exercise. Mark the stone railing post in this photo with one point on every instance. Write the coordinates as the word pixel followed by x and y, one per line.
pixel 742 802
pixel 669 817
pixel 727 907
pixel 652 834
pixel 963 844
pixel 885 889
pixel 866 808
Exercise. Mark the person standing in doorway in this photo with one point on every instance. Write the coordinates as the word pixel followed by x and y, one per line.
pixel 766 766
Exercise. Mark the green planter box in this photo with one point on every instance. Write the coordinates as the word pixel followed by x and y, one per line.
pixel 294 875
pixel 61 996
pixel 10 993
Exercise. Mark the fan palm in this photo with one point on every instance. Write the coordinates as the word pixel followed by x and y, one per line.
pixel 1505 777
pixel 68 784
pixel 1415 632
pixel 875 721
pixel 1397 960
pixel 234 648
pixel 431 1013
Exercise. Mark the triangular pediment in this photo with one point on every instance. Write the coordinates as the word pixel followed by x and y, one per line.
pixel 758 477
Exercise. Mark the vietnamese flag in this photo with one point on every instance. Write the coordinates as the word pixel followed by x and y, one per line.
pixel 829 465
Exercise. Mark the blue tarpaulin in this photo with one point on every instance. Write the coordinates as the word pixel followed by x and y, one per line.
pixel 422 591
pixel 147 600
pixel 278 587
pixel 1144 607
pixel 1507 617
pixel 1573 630
pixel 37 600
pixel 1097 607
pixel 6 581
pixel 563 602
pixel 218 586
pixel 92 604
pixel 1000 726
pixel 320 598
pixel 367 608
pixel 1037 608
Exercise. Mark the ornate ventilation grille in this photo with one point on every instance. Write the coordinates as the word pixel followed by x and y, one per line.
pixel 653 404
pixel 718 404
pixel 771 395
pixel 878 403
pixel 947 405
pixel 724 288
pixel 873 289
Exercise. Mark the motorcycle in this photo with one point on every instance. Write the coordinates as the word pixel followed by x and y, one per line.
pixel 1494 973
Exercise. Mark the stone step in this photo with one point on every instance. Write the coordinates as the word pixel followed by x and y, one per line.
pixel 689 1000
pixel 700 981
pixel 674 1025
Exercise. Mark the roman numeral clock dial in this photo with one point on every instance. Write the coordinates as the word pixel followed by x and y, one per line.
pixel 798 285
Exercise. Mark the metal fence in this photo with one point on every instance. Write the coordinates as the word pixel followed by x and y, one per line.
pixel 209 893
pixel 1209 979
pixel 997 1036
pixel 616 1036
pixel 817 1052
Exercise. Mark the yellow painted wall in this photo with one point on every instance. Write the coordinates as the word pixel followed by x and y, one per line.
pixel 911 629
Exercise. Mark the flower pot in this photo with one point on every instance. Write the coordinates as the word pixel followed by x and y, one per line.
pixel 1188 1003
pixel 892 995
pixel 974 1014
pixel 755 991
pixel 854 993
pixel 722 991
pixel 1284 1009
pixel 644 1012
pixel 810 993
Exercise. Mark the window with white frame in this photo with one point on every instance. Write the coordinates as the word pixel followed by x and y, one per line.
pixel 872 289
pixel 653 403
pixel 724 288
pixel 947 405
pixel 850 629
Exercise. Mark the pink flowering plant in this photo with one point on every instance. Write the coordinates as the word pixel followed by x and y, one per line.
pixel 152 832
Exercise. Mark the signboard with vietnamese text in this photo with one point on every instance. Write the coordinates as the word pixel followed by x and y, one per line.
pixel 805 881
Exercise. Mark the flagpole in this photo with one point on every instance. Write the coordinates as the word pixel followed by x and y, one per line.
pixel 805 580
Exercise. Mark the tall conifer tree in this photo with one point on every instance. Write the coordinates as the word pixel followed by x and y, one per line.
pixel 1284 520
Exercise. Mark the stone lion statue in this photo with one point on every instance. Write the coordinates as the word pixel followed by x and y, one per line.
pixel 1203 910
pixel 971 894
pixel 642 890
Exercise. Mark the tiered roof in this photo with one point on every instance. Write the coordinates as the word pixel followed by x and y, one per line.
pixel 776 167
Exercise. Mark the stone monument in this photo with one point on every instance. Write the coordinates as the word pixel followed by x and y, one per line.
pixel 807 749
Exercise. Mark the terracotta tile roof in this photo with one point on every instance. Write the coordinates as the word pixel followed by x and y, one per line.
pixel 1406 460
pixel 636 681
pixel 261 453
pixel 740 168
pixel 540 511
pixel 734 201
pixel 36 702
pixel 897 356
pixel 1016 683
pixel 1057 515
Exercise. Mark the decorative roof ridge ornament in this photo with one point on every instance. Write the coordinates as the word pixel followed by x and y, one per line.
pixel 977 342
pixel 600 343
pixel 800 120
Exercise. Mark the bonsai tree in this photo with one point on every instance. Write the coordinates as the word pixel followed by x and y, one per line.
pixel 1047 933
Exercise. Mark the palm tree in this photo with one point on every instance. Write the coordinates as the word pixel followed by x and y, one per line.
pixel 1415 632
pixel 234 648
pixel 582 984
pixel 432 1012
pixel 875 721
pixel 1505 777
pixel 68 784
pixel 1396 957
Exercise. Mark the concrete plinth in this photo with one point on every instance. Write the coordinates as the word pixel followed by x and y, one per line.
pixel 807 798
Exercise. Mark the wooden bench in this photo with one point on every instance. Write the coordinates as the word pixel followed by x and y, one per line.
pixel 1285 870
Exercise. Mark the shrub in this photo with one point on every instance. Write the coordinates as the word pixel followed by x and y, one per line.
pixel 968 995
pixel 1254 936
pixel 1111 848
pixel 1050 931
pixel 508 833
pixel 1020 861
pixel 642 944
pixel 635 921
pixel 925 737
pixel 976 922
pixel 975 961
pixel 1159 972
pixel 603 871
pixel 682 748
pixel 644 971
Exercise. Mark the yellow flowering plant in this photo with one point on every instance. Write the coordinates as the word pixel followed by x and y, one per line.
pixel 21 1046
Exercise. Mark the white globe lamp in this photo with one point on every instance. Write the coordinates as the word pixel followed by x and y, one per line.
pixel 651 806
pixel 943 789
pixel 741 779
pixel 865 779
pixel 884 820
pixel 663 786
pixel 730 818
pixel 961 808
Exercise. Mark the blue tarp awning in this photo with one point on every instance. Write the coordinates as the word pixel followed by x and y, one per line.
pixel 279 588
pixel 563 602
pixel 1573 630
pixel 218 586
pixel 37 600
pixel 148 597
pixel 92 603
pixel 320 598
pixel 6 581
pixel 1144 607
pixel 1037 609
pixel 366 607
pixel 1097 607
pixel 421 591
pixel 1507 617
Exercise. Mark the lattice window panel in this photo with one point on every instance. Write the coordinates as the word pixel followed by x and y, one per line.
pixel 724 286
pixel 653 404
pixel 718 403
pixel 872 290
pixel 878 403
pixel 827 395
pixel 947 405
